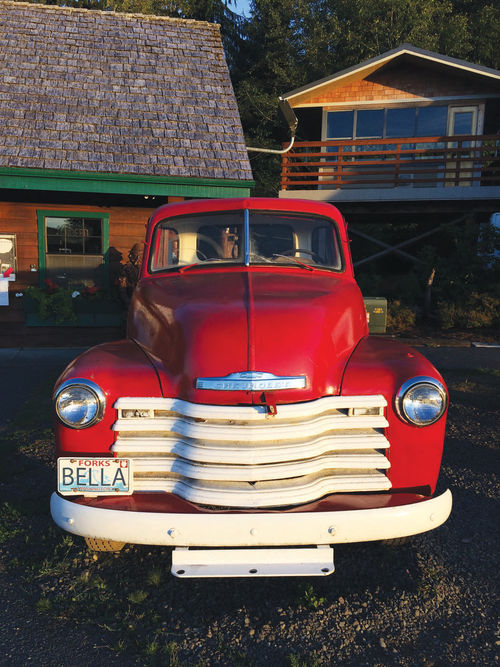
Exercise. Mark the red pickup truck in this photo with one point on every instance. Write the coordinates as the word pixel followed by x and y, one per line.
pixel 248 420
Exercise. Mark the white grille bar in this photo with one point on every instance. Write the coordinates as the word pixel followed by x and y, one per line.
pixel 253 473
pixel 270 431
pixel 250 412
pixel 280 493
pixel 227 453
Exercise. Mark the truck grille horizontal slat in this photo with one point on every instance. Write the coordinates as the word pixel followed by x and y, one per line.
pixel 267 494
pixel 244 453
pixel 249 412
pixel 254 473
pixel 240 456
pixel 250 432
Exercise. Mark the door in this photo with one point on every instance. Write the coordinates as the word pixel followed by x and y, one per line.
pixel 460 165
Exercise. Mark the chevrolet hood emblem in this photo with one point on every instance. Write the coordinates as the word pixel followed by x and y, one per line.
pixel 251 381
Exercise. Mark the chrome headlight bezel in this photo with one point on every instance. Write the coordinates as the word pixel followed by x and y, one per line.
pixel 94 391
pixel 411 384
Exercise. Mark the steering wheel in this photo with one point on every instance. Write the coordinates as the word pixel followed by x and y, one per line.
pixel 216 247
pixel 294 251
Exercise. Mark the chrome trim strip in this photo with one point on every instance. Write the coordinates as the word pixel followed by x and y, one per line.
pixel 251 381
pixel 247 236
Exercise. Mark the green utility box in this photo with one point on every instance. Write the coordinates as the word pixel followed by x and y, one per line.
pixel 376 313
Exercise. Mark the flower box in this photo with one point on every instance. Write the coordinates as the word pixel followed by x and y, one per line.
pixel 87 313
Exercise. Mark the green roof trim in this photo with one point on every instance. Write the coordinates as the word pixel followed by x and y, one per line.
pixel 13 178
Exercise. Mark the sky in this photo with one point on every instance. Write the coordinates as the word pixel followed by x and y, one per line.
pixel 242 7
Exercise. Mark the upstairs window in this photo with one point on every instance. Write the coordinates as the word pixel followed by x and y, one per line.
pixel 387 123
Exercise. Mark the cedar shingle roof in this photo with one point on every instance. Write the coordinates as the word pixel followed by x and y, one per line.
pixel 100 91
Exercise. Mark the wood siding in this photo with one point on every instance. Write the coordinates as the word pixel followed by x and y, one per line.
pixel 127 225
pixel 399 83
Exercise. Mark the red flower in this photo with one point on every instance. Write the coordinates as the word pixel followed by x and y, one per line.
pixel 51 286
pixel 90 291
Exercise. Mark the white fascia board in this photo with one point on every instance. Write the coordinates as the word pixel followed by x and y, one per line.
pixel 458 64
pixel 403 101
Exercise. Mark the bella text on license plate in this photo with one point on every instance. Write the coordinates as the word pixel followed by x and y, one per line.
pixel 94 476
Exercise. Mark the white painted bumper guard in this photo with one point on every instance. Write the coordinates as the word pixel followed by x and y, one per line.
pixel 264 533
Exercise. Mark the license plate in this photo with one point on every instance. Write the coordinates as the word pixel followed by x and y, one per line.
pixel 94 477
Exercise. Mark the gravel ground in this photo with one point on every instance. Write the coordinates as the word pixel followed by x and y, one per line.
pixel 428 602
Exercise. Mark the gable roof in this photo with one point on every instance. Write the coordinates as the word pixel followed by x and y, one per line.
pixel 407 51
pixel 93 91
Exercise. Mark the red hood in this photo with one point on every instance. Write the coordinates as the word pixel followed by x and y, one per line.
pixel 211 324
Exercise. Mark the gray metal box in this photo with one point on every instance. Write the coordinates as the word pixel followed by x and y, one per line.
pixel 376 313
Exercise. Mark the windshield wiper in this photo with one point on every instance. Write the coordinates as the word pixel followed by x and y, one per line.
pixel 266 260
pixel 308 267
pixel 185 267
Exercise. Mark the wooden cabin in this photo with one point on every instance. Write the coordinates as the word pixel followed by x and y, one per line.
pixel 103 117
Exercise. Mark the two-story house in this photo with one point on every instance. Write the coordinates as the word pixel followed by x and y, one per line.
pixel 409 132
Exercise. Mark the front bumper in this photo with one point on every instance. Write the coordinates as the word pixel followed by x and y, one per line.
pixel 251 530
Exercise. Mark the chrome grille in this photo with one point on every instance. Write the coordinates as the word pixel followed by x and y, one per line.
pixel 242 456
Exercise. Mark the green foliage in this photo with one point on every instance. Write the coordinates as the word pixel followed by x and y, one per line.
pixel 307 661
pixel 171 652
pixel 63 304
pixel 311 599
pixel 137 597
pixel 44 606
pixel 10 522
pixel 54 305
pixel 154 577
pixel 464 265
pixel 476 311
pixel 400 318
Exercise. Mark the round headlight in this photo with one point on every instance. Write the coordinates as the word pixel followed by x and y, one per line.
pixel 79 403
pixel 421 401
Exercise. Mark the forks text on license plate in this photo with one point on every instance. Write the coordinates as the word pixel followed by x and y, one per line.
pixel 94 476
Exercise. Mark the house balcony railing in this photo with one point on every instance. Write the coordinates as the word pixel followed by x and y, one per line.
pixel 450 161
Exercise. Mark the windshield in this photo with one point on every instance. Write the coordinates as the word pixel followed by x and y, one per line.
pixel 246 237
